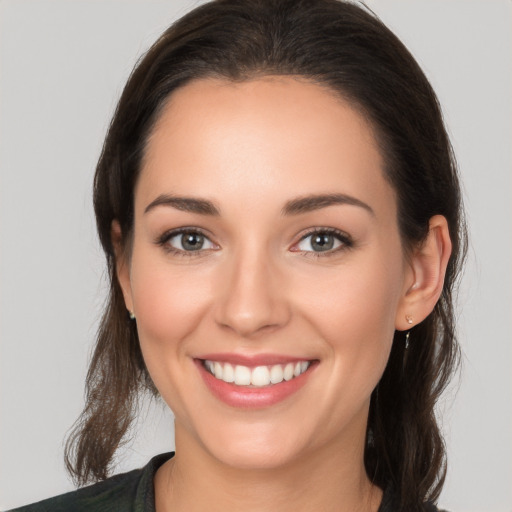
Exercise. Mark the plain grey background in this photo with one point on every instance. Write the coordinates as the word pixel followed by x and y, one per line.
pixel 62 67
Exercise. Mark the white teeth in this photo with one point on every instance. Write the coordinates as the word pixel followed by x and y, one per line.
pixel 288 371
pixel 276 374
pixel 259 376
pixel 242 375
pixel 228 374
pixel 217 370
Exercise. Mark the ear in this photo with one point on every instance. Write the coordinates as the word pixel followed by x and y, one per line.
pixel 122 264
pixel 425 276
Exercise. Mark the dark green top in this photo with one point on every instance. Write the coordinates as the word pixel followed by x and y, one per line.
pixel 134 492
pixel 127 492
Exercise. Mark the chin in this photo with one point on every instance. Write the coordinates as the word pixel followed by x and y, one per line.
pixel 257 447
pixel 254 457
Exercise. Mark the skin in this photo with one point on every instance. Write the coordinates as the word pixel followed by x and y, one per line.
pixel 258 287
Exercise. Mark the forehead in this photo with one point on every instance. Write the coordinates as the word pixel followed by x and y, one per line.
pixel 275 136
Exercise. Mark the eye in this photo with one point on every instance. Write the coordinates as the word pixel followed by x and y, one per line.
pixel 186 240
pixel 324 240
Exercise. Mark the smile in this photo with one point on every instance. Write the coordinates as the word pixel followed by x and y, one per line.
pixel 254 382
pixel 259 376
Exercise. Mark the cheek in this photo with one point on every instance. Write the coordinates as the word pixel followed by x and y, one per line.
pixel 169 304
pixel 354 312
pixel 355 299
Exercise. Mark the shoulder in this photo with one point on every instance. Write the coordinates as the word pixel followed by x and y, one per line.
pixel 119 492
pixel 115 491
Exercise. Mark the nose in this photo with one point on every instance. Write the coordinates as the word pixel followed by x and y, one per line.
pixel 251 297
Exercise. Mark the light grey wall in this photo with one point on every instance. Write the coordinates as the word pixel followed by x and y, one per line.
pixel 62 66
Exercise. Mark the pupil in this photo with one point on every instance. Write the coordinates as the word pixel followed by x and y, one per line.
pixel 322 242
pixel 192 241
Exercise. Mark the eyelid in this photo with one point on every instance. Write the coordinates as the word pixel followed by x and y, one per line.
pixel 164 238
pixel 343 237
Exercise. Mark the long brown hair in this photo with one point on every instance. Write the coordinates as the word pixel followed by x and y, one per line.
pixel 345 47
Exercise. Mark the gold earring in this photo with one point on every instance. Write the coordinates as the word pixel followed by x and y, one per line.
pixel 408 319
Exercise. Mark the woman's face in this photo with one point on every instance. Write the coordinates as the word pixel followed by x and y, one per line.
pixel 266 250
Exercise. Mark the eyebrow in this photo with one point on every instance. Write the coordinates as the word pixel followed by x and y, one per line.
pixel 294 207
pixel 185 204
pixel 319 201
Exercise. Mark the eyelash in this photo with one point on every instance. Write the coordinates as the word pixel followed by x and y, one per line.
pixel 346 242
pixel 165 237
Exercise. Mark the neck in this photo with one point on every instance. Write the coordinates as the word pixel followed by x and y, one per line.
pixel 327 480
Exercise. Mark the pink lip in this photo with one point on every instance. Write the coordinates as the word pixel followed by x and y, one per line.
pixel 251 397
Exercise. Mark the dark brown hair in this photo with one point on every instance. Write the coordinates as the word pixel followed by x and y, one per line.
pixel 346 48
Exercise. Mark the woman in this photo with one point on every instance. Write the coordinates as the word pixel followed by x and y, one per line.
pixel 281 215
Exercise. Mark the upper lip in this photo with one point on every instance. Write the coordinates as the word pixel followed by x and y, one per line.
pixel 252 360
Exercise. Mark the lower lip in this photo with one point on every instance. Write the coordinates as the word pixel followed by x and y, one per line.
pixel 251 397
